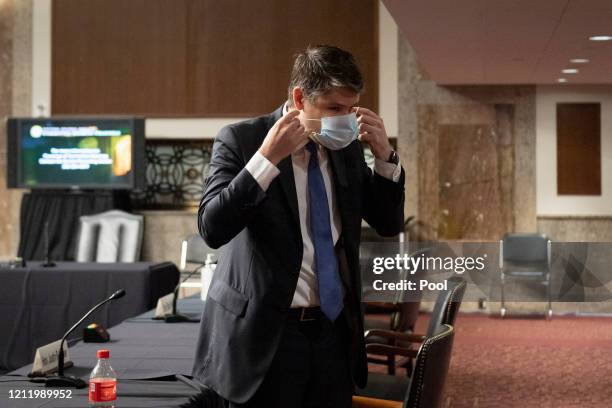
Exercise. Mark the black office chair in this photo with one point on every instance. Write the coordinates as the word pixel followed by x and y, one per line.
pixel 445 311
pixel 424 389
pixel 525 256
pixel 403 316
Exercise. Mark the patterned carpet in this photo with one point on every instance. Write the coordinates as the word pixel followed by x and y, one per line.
pixel 566 362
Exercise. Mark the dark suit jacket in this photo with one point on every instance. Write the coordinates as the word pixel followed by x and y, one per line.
pixel 258 267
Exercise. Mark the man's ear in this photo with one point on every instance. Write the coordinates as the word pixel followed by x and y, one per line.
pixel 298 98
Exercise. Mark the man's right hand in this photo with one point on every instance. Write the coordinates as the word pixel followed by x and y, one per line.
pixel 286 136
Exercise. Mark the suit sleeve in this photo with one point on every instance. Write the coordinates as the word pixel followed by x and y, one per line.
pixel 383 202
pixel 231 193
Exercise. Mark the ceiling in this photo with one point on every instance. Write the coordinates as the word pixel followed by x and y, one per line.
pixel 507 41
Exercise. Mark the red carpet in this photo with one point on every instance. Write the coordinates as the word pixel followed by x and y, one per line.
pixel 566 362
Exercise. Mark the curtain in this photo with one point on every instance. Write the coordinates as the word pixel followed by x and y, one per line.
pixel 61 210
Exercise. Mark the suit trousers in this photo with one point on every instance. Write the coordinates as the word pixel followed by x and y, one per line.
pixel 310 368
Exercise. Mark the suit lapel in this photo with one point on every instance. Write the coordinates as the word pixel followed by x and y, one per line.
pixel 340 182
pixel 286 179
pixel 344 204
pixel 339 167
pixel 287 182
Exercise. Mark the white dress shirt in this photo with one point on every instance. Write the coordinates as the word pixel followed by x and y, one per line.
pixel 264 172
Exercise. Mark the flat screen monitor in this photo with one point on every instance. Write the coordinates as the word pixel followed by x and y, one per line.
pixel 76 153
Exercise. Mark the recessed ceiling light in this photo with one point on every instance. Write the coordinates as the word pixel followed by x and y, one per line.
pixel 562 80
pixel 600 38
pixel 579 60
pixel 570 71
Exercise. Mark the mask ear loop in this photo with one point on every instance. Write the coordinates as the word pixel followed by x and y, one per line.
pixel 313 133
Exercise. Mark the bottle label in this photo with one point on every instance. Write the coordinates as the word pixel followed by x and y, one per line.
pixel 103 389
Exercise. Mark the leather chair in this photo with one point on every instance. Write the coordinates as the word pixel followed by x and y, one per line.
pixel 404 313
pixel 111 236
pixel 424 388
pixel 525 256
pixel 445 311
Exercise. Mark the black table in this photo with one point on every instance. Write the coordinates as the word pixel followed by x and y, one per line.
pixel 147 355
pixel 37 305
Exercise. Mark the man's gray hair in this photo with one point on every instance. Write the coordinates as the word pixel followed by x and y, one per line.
pixel 319 69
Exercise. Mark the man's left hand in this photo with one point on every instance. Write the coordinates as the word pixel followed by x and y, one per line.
pixel 372 131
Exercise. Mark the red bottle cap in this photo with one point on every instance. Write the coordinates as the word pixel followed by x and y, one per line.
pixel 103 354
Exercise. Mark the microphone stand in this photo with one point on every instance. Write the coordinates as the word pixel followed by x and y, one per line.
pixel 176 317
pixel 61 380
pixel 48 263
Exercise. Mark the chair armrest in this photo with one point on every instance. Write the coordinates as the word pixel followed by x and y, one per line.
pixel 386 350
pixel 382 305
pixel 366 402
pixel 394 335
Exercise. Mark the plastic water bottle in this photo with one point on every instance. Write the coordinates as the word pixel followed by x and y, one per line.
pixel 103 382
pixel 207 274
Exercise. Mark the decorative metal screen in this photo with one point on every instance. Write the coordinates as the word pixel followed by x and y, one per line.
pixel 175 173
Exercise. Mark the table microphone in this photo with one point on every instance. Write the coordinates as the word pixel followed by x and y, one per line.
pixel 176 317
pixel 48 262
pixel 61 380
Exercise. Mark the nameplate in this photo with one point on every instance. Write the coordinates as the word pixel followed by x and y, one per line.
pixel 164 306
pixel 45 359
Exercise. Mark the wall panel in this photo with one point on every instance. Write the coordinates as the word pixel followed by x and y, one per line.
pixel 579 149
pixel 207 58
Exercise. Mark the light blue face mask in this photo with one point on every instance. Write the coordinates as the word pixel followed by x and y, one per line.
pixel 337 132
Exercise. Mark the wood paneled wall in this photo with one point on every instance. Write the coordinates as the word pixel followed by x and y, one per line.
pixel 174 58
pixel 579 148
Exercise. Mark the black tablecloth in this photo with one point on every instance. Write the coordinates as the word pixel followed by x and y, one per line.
pixel 142 348
pixel 37 305
pixel 147 355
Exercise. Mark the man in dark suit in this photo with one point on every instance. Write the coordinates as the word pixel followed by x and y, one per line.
pixel 285 197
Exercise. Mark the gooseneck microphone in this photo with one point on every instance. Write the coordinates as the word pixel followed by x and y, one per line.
pixel 61 380
pixel 48 262
pixel 176 317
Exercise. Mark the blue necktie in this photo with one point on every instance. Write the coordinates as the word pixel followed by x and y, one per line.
pixel 330 287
